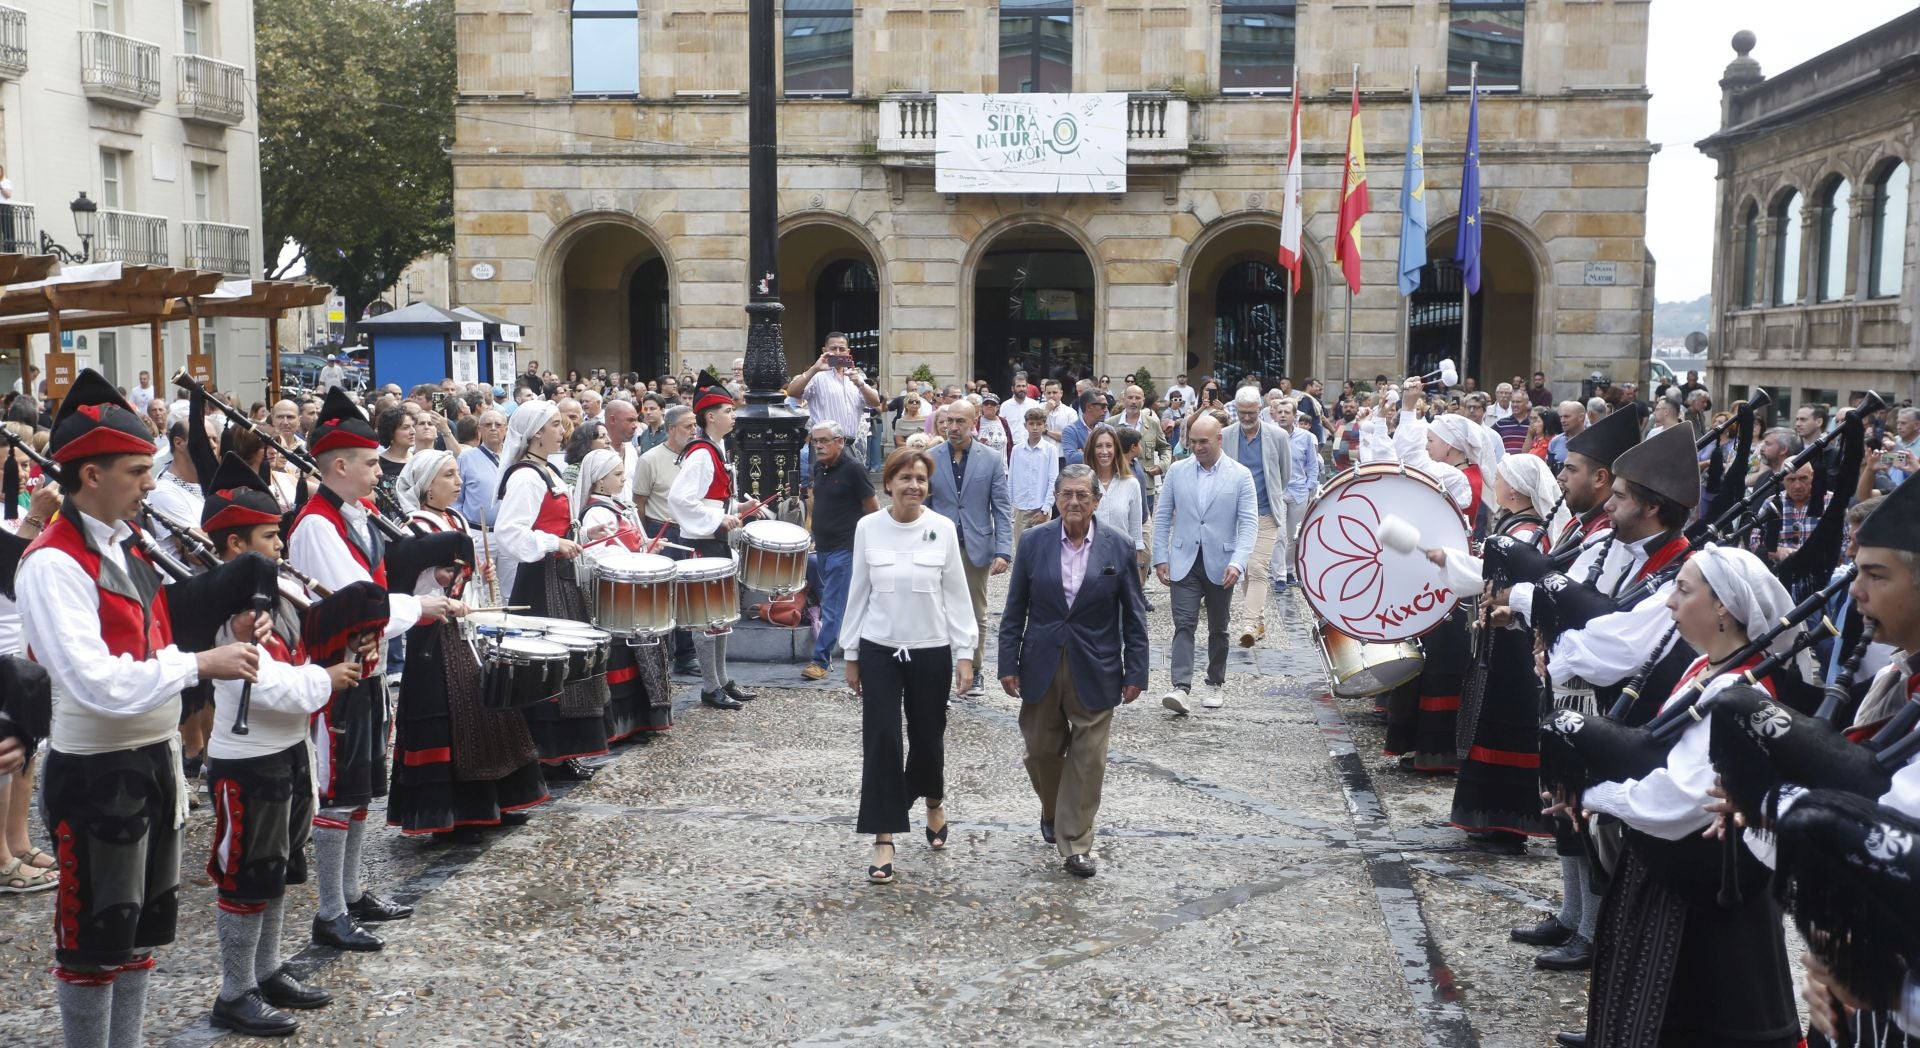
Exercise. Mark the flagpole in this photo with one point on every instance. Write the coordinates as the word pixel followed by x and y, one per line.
pixel 1466 296
pixel 1346 366
pixel 1283 195
pixel 1406 303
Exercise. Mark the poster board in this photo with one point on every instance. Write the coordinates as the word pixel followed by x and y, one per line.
pixel 1031 143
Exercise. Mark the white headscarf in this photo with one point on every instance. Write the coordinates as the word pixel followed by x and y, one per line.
pixel 1472 440
pixel 526 421
pixel 1530 476
pixel 1747 589
pixel 417 476
pixel 593 469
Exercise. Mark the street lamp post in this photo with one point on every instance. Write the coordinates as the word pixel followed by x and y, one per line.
pixel 84 212
pixel 769 435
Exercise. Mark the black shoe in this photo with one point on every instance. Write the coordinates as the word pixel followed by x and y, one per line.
pixel 250 1014
pixel 372 909
pixel 514 818
pixel 569 770
pixel 1080 865
pixel 1549 932
pixel 282 990
pixel 686 668
pixel 1571 1039
pixel 738 693
pixel 719 700
pixel 1575 956
pixel 1046 831
pixel 344 933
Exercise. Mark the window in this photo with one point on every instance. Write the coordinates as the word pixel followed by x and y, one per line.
pixel 108 355
pixel 847 300
pixel 103 16
pixel 606 47
pixel 1036 46
pixel 1834 216
pixel 1490 32
pixel 1249 322
pixel 816 50
pixel 111 179
pixel 1786 250
pixel 1256 46
pixel 209 339
pixel 201 183
pixel 1889 231
pixel 1750 257
pixel 193 18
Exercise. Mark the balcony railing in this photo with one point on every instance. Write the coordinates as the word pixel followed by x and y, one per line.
pixel 13 42
pixel 18 234
pixel 210 91
pixel 128 236
pixel 1156 127
pixel 119 69
pixel 218 247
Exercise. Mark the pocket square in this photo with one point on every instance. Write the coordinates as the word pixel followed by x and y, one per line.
pixel 1109 570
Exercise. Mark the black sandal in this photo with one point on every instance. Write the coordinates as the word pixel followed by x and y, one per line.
pixel 937 839
pixel 881 874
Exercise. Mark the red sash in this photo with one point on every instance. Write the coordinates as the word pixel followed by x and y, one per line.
pixel 1660 558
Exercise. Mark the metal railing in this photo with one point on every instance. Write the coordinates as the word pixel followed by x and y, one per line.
pixel 128 236
pixel 119 68
pixel 219 247
pixel 210 90
pixel 13 42
pixel 18 234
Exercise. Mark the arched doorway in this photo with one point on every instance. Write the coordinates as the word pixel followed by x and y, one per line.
pixel 1501 317
pixel 1033 308
pixel 616 302
pixel 1240 319
pixel 832 284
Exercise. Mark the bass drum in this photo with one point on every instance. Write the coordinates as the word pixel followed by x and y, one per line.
pixel 1358 669
pixel 1361 586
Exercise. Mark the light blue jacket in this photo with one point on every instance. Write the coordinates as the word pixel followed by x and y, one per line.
pixel 1225 528
pixel 983 513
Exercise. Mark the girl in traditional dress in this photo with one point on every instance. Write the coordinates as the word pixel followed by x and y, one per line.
pixel 640 697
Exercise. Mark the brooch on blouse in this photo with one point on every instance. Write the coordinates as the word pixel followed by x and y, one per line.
pixel 929 534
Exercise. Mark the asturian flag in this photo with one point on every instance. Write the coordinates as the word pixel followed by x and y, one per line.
pixel 1290 200
pixel 1413 207
pixel 1353 200
pixel 1466 249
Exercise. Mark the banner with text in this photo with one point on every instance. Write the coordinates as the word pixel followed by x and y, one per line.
pixel 1031 143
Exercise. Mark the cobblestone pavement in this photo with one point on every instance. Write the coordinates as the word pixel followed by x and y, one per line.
pixel 1266 878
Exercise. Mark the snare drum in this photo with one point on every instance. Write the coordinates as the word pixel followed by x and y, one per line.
pixel 1359 669
pixel 775 558
pixel 1357 584
pixel 706 594
pixel 587 648
pixel 522 671
pixel 633 594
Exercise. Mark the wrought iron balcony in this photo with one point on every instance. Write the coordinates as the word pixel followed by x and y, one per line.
pixel 119 69
pixel 18 234
pixel 210 91
pixel 128 236
pixel 219 247
pixel 13 42
pixel 1156 128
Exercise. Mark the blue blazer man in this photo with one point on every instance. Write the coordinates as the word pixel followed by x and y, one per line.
pixel 984 517
pixel 1103 636
pixel 1224 528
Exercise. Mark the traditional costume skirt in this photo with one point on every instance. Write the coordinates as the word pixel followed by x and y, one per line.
pixel 1422 723
pixel 1498 741
pixel 456 763
pixel 576 725
pixel 639 691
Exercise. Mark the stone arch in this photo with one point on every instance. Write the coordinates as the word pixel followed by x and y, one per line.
pixel 1538 260
pixel 982 242
pixel 1205 261
pixel 841 238
pixel 552 292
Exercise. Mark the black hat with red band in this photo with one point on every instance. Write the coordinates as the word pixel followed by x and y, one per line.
pixel 237 498
pixel 94 420
pixel 341 425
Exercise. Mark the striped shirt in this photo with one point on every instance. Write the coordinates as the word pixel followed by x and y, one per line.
pixel 832 396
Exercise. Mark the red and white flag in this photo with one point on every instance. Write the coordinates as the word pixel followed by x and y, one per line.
pixel 1290 221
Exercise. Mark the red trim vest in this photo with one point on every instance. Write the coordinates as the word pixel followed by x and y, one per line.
pixel 124 622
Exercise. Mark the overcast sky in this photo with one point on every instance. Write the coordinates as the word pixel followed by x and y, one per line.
pixel 1690 47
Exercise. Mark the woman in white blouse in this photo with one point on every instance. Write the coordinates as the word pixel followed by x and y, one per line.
pixel 1122 506
pixel 908 617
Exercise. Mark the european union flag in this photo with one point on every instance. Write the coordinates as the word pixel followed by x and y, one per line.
pixel 1413 206
pixel 1466 249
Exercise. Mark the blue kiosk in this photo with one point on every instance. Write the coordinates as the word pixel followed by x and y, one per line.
pixel 422 343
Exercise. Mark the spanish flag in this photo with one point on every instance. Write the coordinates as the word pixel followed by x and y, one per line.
pixel 1353 197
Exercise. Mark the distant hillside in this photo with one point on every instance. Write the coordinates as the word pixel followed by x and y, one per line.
pixel 1676 319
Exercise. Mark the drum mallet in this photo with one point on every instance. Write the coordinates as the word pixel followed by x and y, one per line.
pixel 1399 535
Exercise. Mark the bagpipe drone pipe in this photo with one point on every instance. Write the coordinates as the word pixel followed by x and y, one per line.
pixel 1847 870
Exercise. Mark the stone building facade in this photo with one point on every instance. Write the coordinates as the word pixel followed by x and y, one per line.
pixel 601 195
pixel 1814 270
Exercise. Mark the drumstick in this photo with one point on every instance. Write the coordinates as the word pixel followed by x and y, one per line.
pixel 486 550
pixel 502 607
pixel 654 543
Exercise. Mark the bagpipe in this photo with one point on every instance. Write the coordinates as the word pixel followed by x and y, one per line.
pixel 1847 869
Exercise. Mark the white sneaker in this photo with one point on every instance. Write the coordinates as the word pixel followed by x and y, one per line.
pixel 1216 697
pixel 1176 700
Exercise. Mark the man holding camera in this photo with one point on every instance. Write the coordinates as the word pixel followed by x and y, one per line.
pixel 836 390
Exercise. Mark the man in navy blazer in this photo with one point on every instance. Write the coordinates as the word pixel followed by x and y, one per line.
pixel 974 496
pixel 1073 645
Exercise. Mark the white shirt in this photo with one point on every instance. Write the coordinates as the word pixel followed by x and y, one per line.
pixel 1409 446
pixel 319 551
pixel 515 540
pixel 1187 395
pixel 140 397
pixel 101 702
pixel 909 587
pixel 1123 509
pixel 1031 473
pixel 1059 418
pixel 698 516
pixel 180 500
pixel 1670 802
pixel 278 712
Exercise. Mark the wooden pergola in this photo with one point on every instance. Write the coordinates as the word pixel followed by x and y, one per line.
pixel 115 294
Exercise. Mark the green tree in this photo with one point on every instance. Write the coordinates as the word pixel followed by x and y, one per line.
pixel 356 114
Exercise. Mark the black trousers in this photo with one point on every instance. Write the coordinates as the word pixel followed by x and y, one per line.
pixel 917 687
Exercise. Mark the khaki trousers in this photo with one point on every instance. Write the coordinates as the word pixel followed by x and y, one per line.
pixel 1066 760
pixel 1250 609
pixel 977 589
